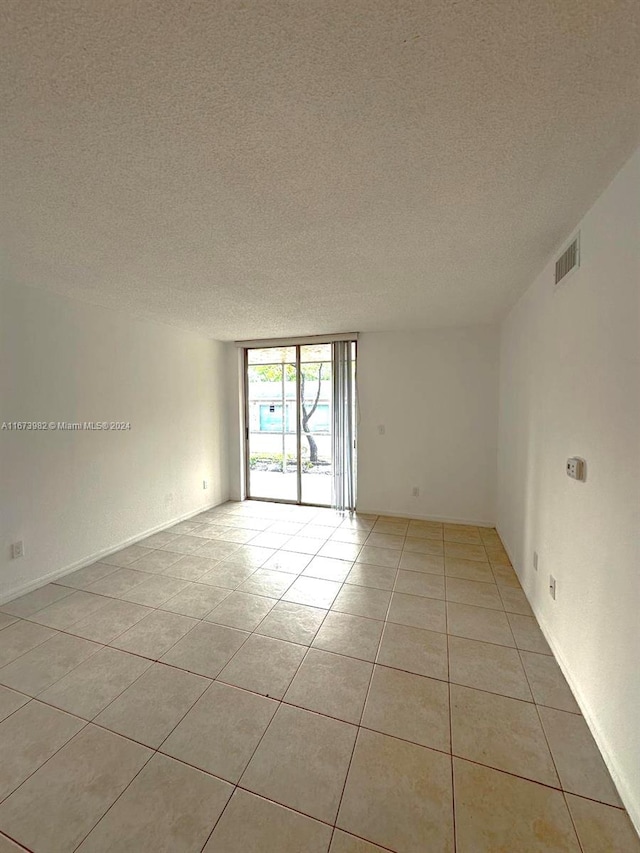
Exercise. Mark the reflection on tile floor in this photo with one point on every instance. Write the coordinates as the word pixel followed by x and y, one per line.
pixel 266 678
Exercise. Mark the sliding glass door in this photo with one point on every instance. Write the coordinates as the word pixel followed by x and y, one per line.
pixel 315 424
pixel 289 417
pixel 272 423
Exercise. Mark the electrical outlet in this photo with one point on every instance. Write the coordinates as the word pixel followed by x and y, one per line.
pixel 535 560
pixel 381 429
pixel 415 492
pixel 576 468
pixel 205 484
pixel 17 549
pixel 552 587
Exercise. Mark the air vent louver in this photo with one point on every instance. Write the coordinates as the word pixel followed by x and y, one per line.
pixel 568 260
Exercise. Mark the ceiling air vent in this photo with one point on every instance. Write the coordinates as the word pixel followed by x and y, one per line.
pixel 569 260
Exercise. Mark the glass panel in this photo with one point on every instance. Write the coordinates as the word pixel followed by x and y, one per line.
pixel 272 355
pixel 315 419
pixel 315 352
pixel 271 404
pixel 354 375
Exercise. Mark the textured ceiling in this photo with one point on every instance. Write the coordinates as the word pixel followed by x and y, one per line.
pixel 254 169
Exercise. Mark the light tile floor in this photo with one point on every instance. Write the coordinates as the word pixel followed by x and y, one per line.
pixel 276 679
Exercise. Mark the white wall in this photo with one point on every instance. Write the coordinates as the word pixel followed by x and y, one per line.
pixel 435 392
pixel 235 414
pixel 74 495
pixel 570 386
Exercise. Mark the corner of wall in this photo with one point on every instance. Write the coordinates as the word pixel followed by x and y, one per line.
pixel 570 385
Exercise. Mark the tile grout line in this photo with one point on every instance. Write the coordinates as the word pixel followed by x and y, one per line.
pixel 364 705
pixel 553 760
pixel 62 746
pixel 17 843
pixel 127 786
pixel 573 823
pixel 453 787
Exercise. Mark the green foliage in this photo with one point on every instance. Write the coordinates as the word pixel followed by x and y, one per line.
pixel 273 372
pixel 273 462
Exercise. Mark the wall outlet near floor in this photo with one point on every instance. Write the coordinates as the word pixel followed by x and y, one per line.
pixel 415 491
pixel 535 560
pixel 17 549
pixel 381 429
pixel 552 587
pixel 205 484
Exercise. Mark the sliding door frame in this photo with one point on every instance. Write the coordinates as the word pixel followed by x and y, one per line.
pixel 247 470
pixel 298 425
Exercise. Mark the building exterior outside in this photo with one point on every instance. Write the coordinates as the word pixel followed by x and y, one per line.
pixel 273 426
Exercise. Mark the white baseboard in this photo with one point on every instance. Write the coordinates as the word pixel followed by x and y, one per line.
pixel 440 518
pixel 601 742
pixel 29 586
